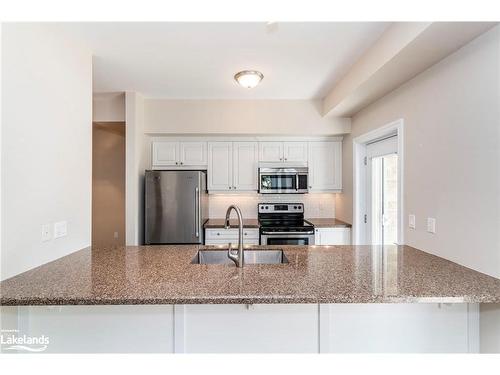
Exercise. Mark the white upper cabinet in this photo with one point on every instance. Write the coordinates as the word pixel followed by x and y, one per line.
pixel 325 166
pixel 283 152
pixel 178 154
pixel 232 163
pixel 232 166
pixel 165 153
pixel 295 151
pixel 271 151
pixel 220 166
pixel 245 160
pixel 193 153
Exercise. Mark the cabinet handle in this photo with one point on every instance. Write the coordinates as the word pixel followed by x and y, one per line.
pixel 286 159
pixel 218 233
pixel 229 187
pixel 176 163
pixel 234 187
pixel 281 158
pixel 182 163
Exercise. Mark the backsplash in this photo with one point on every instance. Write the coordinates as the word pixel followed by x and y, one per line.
pixel 316 205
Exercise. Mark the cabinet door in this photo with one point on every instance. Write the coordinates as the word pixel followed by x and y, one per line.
pixel 260 328
pixel 245 159
pixel 220 165
pixel 165 153
pixel 193 153
pixel 332 236
pixel 295 151
pixel 271 151
pixel 325 166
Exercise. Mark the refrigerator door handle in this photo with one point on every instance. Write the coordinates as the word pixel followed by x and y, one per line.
pixel 197 211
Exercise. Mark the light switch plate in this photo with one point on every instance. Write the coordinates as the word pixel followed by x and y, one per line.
pixel 431 225
pixel 60 229
pixel 411 221
pixel 46 233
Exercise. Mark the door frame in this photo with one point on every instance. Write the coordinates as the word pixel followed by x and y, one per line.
pixel 359 228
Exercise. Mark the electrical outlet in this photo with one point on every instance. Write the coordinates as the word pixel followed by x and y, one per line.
pixel 115 235
pixel 46 234
pixel 60 229
pixel 411 221
pixel 431 225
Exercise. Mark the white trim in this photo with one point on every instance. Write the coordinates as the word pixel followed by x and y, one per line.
pixel 179 329
pixel 359 179
pixel 324 328
pixel 242 137
pixel 473 328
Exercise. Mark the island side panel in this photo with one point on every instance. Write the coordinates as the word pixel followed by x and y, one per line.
pixel 490 327
pixel 399 328
pixel 262 328
pixel 101 329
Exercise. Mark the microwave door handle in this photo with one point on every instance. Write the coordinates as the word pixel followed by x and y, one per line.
pixel 297 182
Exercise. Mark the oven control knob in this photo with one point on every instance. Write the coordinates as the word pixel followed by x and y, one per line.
pixel 267 207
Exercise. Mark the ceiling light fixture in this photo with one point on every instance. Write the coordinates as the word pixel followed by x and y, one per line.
pixel 248 78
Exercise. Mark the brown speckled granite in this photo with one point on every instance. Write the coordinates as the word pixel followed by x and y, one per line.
pixel 328 223
pixel 315 274
pixel 220 223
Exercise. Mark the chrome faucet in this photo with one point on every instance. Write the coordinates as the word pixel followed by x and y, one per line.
pixel 236 258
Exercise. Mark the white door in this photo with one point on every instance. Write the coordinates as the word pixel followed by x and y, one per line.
pixel 325 170
pixel 165 153
pixel 193 153
pixel 271 151
pixel 382 192
pixel 220 166
pixel 295 151
pixel 245 159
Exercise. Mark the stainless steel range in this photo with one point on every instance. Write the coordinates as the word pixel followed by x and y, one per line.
pixel 284 224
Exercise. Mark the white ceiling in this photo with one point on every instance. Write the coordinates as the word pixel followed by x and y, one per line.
pixel 198 60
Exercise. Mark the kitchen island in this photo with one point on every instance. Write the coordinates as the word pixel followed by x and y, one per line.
pixel 325 299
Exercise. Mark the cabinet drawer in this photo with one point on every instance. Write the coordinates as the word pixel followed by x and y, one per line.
pixel 230 234
pixel 234 241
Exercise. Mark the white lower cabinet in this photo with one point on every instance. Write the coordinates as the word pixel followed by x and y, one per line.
pixel 250 328
pixel 221 236
pixel 332 236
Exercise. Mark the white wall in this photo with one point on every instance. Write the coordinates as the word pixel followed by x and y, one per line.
pixel 136 161
pixel 108 107
pixel 452 154
pixel 291 117
pixel 46 144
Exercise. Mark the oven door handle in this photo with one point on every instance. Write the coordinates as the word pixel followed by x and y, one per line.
pixel 281 233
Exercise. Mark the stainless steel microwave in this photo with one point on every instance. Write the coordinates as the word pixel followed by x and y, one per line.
pixel 283 180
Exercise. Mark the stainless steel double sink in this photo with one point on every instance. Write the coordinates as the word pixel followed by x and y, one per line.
pixel 251 256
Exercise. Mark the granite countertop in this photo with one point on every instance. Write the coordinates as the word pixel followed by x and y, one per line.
pixel 314 274
pixel 328 223
pixel 254 223
pixel 220 223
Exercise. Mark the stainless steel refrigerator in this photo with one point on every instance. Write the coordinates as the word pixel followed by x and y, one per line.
pixel 176 207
